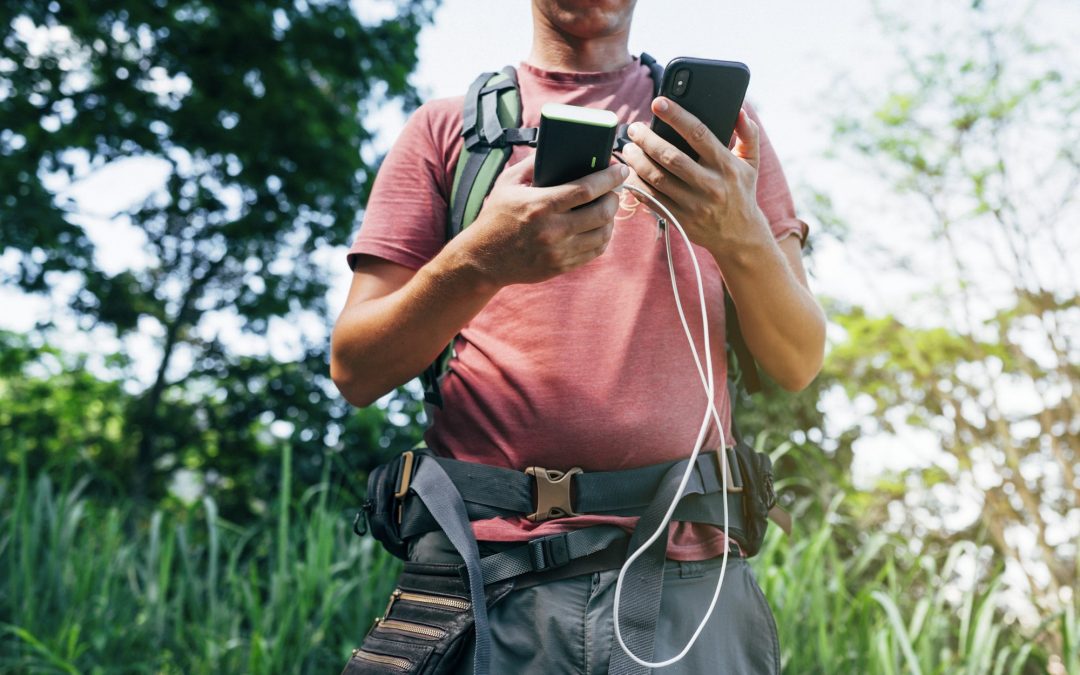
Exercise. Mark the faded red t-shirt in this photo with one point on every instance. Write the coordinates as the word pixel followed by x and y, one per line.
pixel 590 369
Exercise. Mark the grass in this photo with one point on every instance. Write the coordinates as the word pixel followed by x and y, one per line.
pixel 91 588
pixel 94 589
pixel 885 610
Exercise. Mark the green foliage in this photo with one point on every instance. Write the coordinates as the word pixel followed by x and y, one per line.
pixel 973 140
pixel 854 600
pixel 58 417
pixel 257 109
pixel 86 587
pixel 56 414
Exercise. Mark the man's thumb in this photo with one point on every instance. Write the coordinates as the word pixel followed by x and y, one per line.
pixel 521 172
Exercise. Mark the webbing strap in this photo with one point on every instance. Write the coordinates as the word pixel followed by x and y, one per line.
pixel 468 120
pixel 499 86
pixel 655 70
pixel 431 484
pixel 748 372
pixel 596 492
pixel 643 581
pixel 493 492
pixel 551 552
pixel 489 110
pixel 520 136
pixel 472 167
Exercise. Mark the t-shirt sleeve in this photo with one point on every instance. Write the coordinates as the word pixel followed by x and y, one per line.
pixel 405 218
pixel 773 194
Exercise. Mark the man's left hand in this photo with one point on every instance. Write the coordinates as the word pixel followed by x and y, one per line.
pixel 715 197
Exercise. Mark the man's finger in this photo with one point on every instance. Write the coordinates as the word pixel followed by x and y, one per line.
pixel 598 213
pixel 658 175
pixel 747 140
pixel 586 189
pixel 591 239
pixel 520 173
pixel 696 133
pixel 663 153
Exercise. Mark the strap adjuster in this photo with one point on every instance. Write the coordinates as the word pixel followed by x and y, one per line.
pixel 472 138
pixel 407 460
pixel 549 552
pixel 552 493
pixel 734 478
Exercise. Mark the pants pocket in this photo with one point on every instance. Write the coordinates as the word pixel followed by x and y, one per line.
pixel 767 614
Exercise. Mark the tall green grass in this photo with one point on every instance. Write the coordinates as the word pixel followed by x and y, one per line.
pixel 86 588
pixel 91 588
pixel 888 611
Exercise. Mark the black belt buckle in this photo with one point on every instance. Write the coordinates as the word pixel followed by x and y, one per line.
pixel 549 552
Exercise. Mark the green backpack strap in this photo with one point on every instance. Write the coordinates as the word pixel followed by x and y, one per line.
pixel 491 126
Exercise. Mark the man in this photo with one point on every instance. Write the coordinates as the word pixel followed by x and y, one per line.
pixel 570 353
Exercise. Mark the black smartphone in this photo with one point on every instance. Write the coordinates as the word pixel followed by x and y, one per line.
pixel 572 142
pixel 712 91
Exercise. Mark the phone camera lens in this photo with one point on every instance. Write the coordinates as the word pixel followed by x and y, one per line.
pixel 682 82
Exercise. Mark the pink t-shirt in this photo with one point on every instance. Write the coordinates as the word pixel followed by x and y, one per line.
pixel 590 369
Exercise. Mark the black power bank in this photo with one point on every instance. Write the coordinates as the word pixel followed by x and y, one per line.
pixel 572 142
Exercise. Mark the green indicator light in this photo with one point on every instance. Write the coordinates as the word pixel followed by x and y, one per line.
pixel 593 165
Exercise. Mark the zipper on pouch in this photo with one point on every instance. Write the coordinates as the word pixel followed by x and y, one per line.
pixel 443 601
pixel 417 629
pixel 372 657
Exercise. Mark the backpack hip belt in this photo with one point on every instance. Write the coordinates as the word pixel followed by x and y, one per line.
pixel 419 492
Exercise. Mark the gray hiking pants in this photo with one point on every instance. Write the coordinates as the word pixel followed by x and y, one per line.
pixel 566 626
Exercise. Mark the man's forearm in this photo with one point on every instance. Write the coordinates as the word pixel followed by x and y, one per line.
pixel 784 326
pixel 384 342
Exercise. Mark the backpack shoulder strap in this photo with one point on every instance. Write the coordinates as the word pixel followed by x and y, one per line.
pixel 656 71
pixel 742 367
pixel 490 121
pixel 491 117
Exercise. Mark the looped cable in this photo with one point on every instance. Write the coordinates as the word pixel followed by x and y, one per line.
pixel 707 381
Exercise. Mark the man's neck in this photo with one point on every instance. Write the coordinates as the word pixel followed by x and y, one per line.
pixel 555 49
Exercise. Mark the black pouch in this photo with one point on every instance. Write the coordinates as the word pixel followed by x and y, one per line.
pixel 426 625
pixel 383 504
pixel 758 496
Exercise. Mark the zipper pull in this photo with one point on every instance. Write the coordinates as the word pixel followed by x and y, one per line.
pixel 360 523
pixel 393 598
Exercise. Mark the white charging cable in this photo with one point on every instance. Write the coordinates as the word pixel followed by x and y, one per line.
pixel 710 411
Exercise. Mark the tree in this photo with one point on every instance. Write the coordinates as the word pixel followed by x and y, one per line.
pixel 976 143
pixel 258 108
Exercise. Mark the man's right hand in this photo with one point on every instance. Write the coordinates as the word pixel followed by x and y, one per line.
pixel 396 320
pixel 527 234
